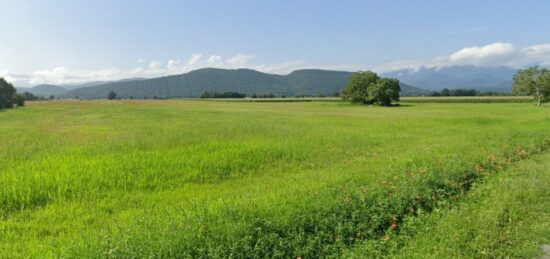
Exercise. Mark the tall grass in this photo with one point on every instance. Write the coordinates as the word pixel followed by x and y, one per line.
pixel 229 179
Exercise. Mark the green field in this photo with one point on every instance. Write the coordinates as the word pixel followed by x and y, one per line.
pixel 273 179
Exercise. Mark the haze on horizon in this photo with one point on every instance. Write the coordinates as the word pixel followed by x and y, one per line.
pixel 64 42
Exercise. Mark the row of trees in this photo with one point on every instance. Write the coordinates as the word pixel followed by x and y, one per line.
pixel 214 94
pixel 368 88
pixel 8 96
pixel 465 92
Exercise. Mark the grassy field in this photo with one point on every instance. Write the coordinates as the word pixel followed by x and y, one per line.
pixel 260 179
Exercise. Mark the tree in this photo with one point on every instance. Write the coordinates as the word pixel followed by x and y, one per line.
pixel 368 88
pixel 384 91
pixel 19 99
pixel 111 95
pixel 356 90
pixel 533 81
pixel 7 91
pixel 29 97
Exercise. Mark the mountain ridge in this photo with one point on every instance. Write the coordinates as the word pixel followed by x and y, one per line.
pixel 192 84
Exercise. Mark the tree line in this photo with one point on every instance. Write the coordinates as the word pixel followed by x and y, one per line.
pixel 215 94
pixel 465 92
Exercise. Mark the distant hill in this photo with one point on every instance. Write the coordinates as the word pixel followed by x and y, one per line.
pixel 193 84
pixel 498 79
pixel 95 83
pixel 44 90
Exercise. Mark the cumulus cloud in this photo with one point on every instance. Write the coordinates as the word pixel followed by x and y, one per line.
pixel 488 54
pixel 63 75
pixel 495 54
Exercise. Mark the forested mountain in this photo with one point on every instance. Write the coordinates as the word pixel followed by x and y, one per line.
pixel 44 90
pixel 193 84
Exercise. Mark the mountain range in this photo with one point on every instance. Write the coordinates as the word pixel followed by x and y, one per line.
pixel 311 82
pixel 496 79
pixel 193 84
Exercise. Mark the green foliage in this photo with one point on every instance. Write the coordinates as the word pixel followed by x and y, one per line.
pixel 384 92
pixel 7 93
pixel 466 92
pixel 30 97
pixel 112 95
pixel 18 99
pixel 191 179
pixel 533 81
pixel 215 94
pixel 368 88
pixel 356 90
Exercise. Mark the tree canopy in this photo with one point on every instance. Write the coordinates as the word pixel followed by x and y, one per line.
pixel 368 88
pixel 533 81
pixel 111 95
pixel 8 97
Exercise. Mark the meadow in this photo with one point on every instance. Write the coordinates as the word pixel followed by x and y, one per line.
pixel 209 179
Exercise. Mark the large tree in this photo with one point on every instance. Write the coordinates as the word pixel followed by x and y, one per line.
pixel 384 92
pixel 368 88
pixel 7 92
pixel 533 81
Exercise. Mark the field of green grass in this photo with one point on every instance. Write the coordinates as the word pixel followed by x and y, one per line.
pixel 217 179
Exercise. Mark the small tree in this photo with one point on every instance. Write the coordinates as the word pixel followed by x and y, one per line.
pixel 29 97
pixel 19 99
pixel 368 88
pixel 533 81
pixel 111 95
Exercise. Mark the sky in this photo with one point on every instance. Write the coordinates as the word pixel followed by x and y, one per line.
pixel 75 41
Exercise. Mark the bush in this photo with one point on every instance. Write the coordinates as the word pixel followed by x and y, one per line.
pixel 19 99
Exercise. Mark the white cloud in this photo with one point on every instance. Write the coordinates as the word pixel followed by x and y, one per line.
pixel 154 65
pixel 239 60
pixel 489 54
pixel 494 54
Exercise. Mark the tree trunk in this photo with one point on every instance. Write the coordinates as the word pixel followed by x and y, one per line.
pixel 539 96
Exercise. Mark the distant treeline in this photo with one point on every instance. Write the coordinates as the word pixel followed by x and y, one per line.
pixel 466 92
pixel 214 94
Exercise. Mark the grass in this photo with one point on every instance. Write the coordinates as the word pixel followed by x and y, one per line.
pixel 507 216
pixel 237 179
pixel 468 99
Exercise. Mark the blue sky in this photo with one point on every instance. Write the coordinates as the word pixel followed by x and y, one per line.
pixel 62 41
